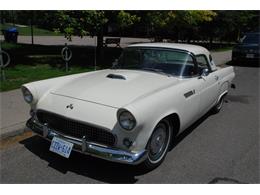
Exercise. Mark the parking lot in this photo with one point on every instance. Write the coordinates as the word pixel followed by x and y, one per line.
pixel 221 148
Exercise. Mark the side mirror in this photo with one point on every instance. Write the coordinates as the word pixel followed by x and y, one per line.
pixel 205 72
pixel 115 63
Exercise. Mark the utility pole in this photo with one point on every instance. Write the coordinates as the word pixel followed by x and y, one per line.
pixel 32 17
pixel 12 12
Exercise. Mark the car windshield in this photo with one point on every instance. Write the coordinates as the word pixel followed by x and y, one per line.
pixel 158 60
pixel 251 38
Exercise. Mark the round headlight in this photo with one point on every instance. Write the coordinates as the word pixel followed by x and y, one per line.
pixel 126 120
pixel 27 95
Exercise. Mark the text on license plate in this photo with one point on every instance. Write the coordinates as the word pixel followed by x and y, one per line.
pixel 61 147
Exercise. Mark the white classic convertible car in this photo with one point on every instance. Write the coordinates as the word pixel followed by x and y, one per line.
pixel 133 111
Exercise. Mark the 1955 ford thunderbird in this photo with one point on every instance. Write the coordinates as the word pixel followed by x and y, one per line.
pixel 133 111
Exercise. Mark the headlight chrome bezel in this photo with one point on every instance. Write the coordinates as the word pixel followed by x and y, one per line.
pixel 124 117
pixel 27 95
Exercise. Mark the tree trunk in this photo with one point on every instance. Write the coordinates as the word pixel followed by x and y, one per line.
pixel 99 42
pixel 31 24
pixel 32 31
pixel 100 50
pixel 1 17
pixel 238 35
pixel 178 35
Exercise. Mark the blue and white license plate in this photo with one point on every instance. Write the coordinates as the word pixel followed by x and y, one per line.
pixel 61 147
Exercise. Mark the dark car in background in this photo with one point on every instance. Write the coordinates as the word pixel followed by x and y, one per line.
pixel 248 49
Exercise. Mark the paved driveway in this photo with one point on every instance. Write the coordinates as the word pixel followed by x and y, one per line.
pixel 222 57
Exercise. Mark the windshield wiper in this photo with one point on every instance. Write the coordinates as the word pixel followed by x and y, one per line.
pixel 157 71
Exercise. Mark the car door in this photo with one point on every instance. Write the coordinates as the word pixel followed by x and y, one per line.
pixel 208 85
pixel 189 88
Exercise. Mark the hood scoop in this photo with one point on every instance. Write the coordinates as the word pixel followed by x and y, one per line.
pixel 116 76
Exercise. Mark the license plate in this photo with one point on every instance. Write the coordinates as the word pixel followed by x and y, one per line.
pixel 61 147
pixel 250 55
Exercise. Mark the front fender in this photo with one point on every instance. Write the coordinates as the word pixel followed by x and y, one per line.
pixel 40 88
pixel 149 112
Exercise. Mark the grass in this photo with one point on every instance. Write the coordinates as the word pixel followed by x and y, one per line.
pixel 21 74
pixel 9 46
pixel 26 31
pixel 36 62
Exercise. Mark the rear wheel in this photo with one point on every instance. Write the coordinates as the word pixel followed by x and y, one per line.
pixel 158 144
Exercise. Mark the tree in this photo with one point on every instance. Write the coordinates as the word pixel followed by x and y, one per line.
pixel 186 23
pixel 82 23
pixel 230 25
pixel 178 23
pixel 126 20
pixel 159 22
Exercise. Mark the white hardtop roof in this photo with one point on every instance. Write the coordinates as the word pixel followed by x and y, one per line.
pixel 195 49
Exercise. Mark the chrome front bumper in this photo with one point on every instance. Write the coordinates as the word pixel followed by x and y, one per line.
pixel 93 149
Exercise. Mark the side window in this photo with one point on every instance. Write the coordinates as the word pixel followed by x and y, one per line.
pixel 211 61
pixel 188 67
pixel 202 61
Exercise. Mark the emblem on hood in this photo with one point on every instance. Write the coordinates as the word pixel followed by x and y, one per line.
pixel 70 106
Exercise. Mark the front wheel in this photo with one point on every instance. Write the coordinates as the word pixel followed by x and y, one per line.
pixel 158 144
pixel 219 105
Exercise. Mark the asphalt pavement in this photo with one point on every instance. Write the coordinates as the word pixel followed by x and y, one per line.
pixel 221 148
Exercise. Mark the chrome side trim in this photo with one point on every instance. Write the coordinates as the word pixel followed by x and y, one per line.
pixel 93 149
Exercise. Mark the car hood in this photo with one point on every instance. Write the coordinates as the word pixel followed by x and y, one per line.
pixel 114 88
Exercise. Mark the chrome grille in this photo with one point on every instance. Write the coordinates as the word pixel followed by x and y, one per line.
pixel 75 129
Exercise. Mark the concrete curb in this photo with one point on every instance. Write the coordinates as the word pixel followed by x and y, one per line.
pixel 13 130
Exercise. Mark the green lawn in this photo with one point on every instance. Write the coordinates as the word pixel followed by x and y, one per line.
pixel 36 62
pixel 20 74
pixel 26 31
pixel 9 46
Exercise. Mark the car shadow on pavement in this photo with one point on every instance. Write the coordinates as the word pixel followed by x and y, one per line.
pixel 94 168
pixel 243 99
pixel 189 130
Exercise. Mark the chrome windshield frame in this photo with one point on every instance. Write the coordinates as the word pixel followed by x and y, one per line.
pixel 166 49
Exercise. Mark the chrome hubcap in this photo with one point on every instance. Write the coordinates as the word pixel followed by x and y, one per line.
pixel 158 142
